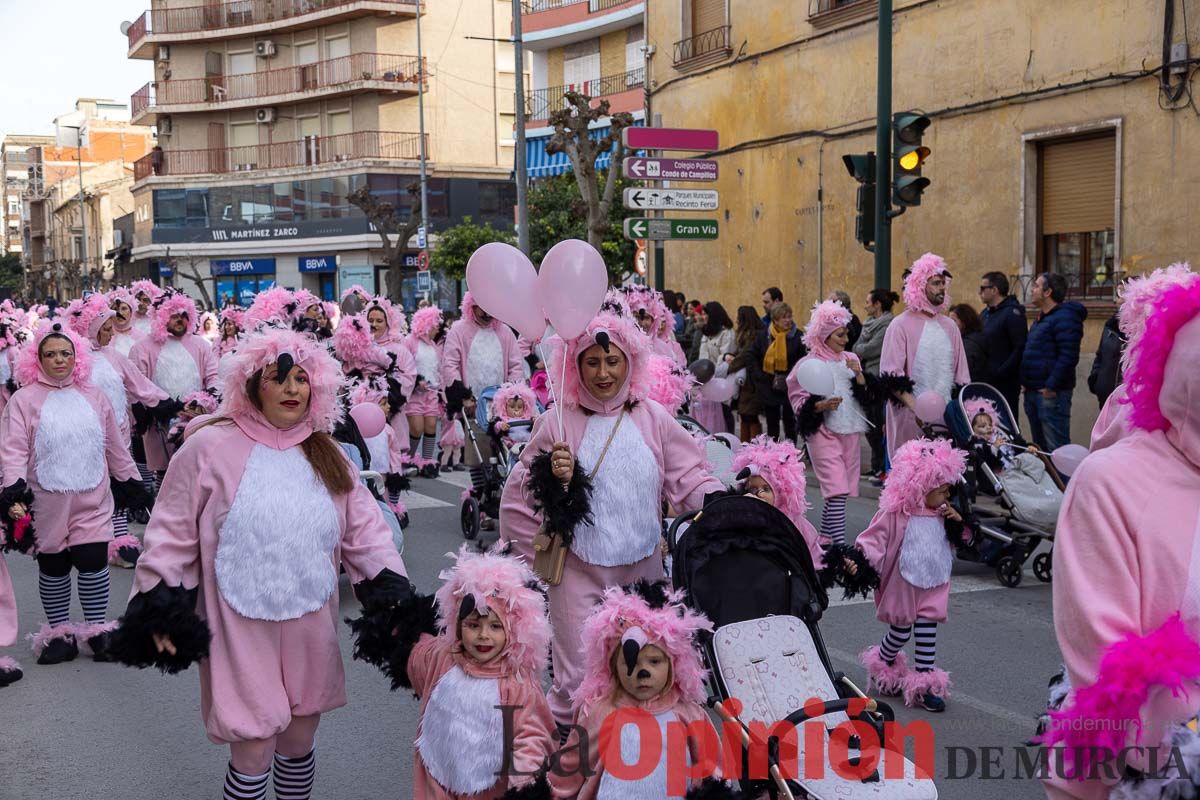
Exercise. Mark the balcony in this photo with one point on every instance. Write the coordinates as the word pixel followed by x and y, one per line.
pixel 704 48
pixel 831 13
pixel 217 20
pixel 552 23
pixel 624 92
pixel 309 152
pixel 361 72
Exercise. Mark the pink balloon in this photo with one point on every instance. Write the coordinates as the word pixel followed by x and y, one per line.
pixel 503 283
pixel 718 390
pixel 1067 458
pixel 369 419
pixel 571 286
pixel 930 408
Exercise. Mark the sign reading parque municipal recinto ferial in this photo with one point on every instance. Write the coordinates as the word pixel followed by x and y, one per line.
pixel 669 169
pixel 661 229
pixel 668 199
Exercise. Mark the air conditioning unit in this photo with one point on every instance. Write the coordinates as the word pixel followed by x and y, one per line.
pixel 164 52
pixel 264 49
pixel 164 126
pixel 265 116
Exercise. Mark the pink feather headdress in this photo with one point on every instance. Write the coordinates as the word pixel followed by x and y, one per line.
pixel 167 306
pixel 122 294
pixel 86 317
pixel 303 298
pixel 265 347
pixel 978 405
pixel 644 298
pixel 396 322
pixel 357 290
pixel 425 322
pixel 356 349
pixel 923 269
pixel 235 313
pixel 147 287
pixel 332 312
pixel 826 318
pixel 508 391
pixel 1154 310
pixel 782 467
pixel 648 614
pixel 919 467
pixel 505 586
pixel 625 335
pixel 28 366
pixel 669 382
pixel 367 390
pixel 203 399
pixel 275 305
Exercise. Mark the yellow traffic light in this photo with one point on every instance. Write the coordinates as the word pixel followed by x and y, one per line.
pixel 913 159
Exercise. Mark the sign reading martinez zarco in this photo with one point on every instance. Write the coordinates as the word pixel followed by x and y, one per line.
pixel 264 232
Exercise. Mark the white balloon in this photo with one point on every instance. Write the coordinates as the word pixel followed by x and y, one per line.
pixel 815 377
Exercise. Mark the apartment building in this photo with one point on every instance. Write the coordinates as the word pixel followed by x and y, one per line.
pixel 270 112
pixel 595 47
pixel 14 164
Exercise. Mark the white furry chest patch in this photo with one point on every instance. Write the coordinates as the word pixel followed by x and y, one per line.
pixel 651 787
pixel 845 418
pixel 377 446
pixel 933 368
pixel 625 496
pixel 5 368
pixel 274 552
pixel 427 363
pixel 175 371
pixel 105 376
pixel 462 733
pixel 69 443
pixel 485 362
pixel 122 343
pixel 925 557
pixel 142 324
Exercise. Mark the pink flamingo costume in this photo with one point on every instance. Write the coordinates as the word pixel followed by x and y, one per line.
pixel 477 357
pixel 392 341
pixel 650 457
pixel 924 345
pixel 1127 571
pixel 125 335
pixel 241 570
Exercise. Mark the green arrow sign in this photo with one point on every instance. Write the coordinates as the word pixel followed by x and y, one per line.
pixel 662 229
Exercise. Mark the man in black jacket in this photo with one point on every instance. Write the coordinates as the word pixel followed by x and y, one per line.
pixel 1004 331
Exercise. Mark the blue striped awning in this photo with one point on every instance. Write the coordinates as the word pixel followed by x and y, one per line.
pixel 540 164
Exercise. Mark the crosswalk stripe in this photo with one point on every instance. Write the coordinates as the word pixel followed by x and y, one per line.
pixel 413 500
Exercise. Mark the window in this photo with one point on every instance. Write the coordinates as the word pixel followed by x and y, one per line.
pixel 581 65
pixel 306 53
pixel 1078 180
pixel 338 47
pixel 508 127
pixel 242 63
pixel 706 33
pixel 339 123
pixel 635 40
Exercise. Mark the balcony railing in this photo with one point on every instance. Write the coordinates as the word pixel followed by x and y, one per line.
pixel 816 7
pixel 594 6
pixel 271 83
pixel 307 152
pixel 541 103
pixel 219 16
pixel 709 43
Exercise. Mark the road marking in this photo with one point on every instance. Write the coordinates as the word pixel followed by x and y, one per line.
pixel 460 479
pixel 413 500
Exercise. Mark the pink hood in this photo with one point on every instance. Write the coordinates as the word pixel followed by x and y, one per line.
pixel 782 467
pixel 923 269
pixel 165 307
pixel 919 467
pixel 623 334
pixel 354 347
pixel 397 324
pixel 28 368
pixel 507 391
pixel 86 317
pixel 826 318
pixel 669 382
pixel 425 322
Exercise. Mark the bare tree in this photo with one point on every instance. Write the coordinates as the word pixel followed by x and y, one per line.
pixel 192 273
pixel 571 137
pixel 382 215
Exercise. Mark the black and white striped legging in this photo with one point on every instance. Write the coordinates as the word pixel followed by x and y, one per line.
pixel 833 519
pixel 898 636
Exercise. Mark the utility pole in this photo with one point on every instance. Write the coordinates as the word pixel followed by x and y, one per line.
pixel 82 207
pixel 519 156
pixel 660 280
pixel 421 124
pixel 883 151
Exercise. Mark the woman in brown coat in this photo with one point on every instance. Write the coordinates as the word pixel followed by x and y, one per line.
pixel 748 405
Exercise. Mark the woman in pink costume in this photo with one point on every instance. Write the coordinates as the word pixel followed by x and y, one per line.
pixel 258 510
pixel 922 349
pixel 208 329
pixel 127 390
pixel 640 655
pixel 64 457
pixel 911 543
pixel 233 321
pixel 389 329
pixel 656 320
pixel 10 333
pixel 631 452
pixel 1127 571
pixel 424 407
pixel 144 294
pixel 481 351
pixel 125 335
pixel 476 667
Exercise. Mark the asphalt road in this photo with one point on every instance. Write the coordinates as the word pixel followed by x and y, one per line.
pixel 87 730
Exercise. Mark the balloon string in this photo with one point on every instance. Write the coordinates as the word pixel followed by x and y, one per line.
pixel 561 433
pixel 550 383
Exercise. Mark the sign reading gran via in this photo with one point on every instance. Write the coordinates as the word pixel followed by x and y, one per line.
pixel 662 229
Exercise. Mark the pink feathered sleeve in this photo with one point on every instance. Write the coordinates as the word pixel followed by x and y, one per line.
pixel 208 365
pixel 16 436
pixel 873 542
pixel 140 388
pixel 421 662
pixel 395 452
pixel 893 360
pixel 367 547
pixel 172 542
pixel 452 356
pixel 533 730
pixel 518 525
pixel 116 446
pixel 567 782
pixel 406 368
pixel 139 354
pixel 686 479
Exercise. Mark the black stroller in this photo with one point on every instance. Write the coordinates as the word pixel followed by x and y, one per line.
pixel 743 564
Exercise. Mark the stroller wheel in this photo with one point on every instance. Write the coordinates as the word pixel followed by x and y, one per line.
pixel 470 518
pixel 1042 567
pixel 1009 572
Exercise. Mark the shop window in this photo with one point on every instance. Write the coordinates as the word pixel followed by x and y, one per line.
pixel 1077 212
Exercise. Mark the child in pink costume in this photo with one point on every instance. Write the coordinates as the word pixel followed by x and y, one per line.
pixel 476 669
pixel 1127 571
pixel 247 523
pixel 922 350
pixel 615 538
pixel 910 543
pixel 641 658
pixel 774 472
pixel 424 407
pixel 512 401
pixel 63 458
pixel 832 426
pixel 387 456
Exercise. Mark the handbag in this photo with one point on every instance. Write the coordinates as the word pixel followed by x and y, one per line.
pixel 779 384
pixel 549 547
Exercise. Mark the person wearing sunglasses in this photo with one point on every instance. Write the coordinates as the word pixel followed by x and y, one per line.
pixel 1004 332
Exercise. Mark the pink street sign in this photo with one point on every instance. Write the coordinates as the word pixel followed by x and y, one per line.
pixel 636 138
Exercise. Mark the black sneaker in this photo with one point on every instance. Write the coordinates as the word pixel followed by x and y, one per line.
pixel 931 702
pixel 404 522
pixel 129 556
pixel 140 516
pixel 59 650
pixel 99 647
pixel 429 471
pixel 10 675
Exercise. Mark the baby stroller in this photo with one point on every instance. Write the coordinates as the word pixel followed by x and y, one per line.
pixel 743 564
pixel 489 460
pixel 1014 524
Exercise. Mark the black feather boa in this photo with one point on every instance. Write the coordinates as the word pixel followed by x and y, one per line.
pixel 18 537
pixel 456 394
pixel 395 482
pixel 130 495
pixel 862 391
pixel 713 789
pixel 892 385
pixel 562 508
pixel 166 410
pixel 386 633
pixel 168 611
pixel 11 385
pixel 809 420
pixel 538 790
pixel 862 583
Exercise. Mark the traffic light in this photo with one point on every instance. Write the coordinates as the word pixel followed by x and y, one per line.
pixel 862 169
pixel 908 157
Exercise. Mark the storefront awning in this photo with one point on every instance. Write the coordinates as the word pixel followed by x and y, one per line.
pixel 540 164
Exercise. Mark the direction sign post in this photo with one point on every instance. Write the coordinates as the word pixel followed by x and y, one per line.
pixel 652 199
pixel 664 229
pixel 642 138
pixel 669 169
